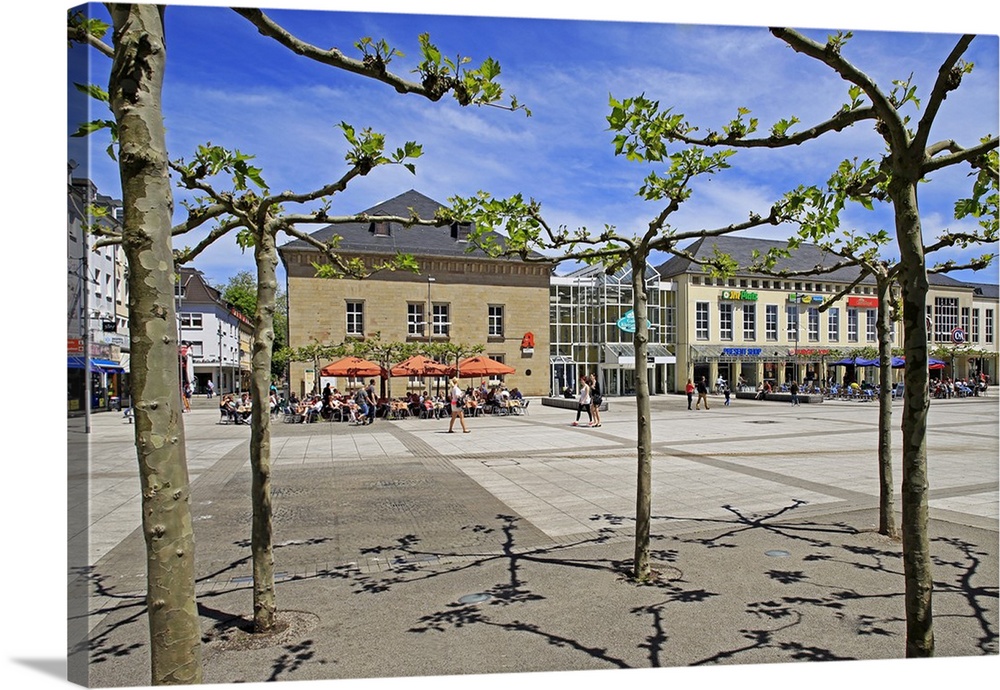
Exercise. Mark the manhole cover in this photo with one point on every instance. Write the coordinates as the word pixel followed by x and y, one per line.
pixel 501 463
pixel 477 598
pixel 777 553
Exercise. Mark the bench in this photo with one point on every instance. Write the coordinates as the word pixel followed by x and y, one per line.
pixel 570 403
pixel 781 397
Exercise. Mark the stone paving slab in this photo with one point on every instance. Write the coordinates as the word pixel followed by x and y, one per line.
pixel 380 531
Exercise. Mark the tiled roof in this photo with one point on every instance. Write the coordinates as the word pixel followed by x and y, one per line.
pixel 417 240
pixel 804 258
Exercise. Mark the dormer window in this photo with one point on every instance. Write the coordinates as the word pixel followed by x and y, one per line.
pixel 460 231
pixel 380 228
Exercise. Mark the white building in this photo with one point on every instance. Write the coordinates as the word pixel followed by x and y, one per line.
pixel 210 333
pixel 97 301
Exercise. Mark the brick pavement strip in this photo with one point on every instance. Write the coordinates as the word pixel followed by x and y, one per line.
pixel 380 531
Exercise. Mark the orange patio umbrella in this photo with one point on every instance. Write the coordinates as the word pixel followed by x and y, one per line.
pixel 353 366
pixel 419 365
pixel 482 367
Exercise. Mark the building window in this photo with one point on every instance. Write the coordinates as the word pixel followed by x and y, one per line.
pixel 813 314
pixel 750 321
pixel 945 318
pixel 195 348
pixel 355 318
pixel 975 325
pixel 871 325
pixel 191 320
pixel 965 320
pixel 495 325
pixel 989 325
pixel 415 325
pixel 726 320
pixel 852 325
pixel 771 321
pixel 442 324
pixel 833 324
pixel 701 323
pixel 792 322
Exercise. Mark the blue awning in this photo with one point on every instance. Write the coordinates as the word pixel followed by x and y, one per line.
pixel 101 365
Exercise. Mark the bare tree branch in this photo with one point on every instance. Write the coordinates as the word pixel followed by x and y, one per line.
pixel 948 78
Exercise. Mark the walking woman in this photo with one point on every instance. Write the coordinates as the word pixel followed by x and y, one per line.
pixel 457 407
pixel 583 402
pixel 595 400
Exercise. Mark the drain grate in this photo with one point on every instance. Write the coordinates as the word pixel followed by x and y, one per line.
pixel 762 421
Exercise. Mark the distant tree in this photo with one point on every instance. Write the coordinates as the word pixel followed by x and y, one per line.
pixel 911 158
pixel 241 290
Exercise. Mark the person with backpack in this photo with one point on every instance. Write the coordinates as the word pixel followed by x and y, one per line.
pixel 702 389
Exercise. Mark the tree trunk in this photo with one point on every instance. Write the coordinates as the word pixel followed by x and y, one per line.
pixel 644 481
pixel 135 92
pixel 261 541
pixel 916 401
pixel 886 507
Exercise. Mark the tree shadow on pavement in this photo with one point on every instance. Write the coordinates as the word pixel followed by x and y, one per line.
pixel 842 576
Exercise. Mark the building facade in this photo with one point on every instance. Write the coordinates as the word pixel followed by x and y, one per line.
pixel 215 336
pixel 460 295
pixel 97 303
pixel 591 325
pixel 755 328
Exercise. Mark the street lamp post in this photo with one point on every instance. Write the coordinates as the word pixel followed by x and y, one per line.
pixel 218 383
pixel 429 319
pixel 430 327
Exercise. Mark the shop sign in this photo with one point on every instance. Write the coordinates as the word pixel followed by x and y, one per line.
pixel 741 351
pixel 627 322
pixel 805 299
pixel 864 302
pixel 958 336
pixel 744 295
pixel 805 351
pixel 74 346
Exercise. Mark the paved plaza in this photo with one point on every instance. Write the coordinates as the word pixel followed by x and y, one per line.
pixel 402 550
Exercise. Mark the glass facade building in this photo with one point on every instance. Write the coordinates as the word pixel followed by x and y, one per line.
pixel 589 313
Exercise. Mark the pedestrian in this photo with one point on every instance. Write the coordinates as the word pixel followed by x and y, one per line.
pixel 583 402
pixel 725 389
pixel 211 388
pixel 372 401
pixel 361 401
pixel 689 389
pixel 794 390
pixel 188 391
pixel 596 398
pixel 702 389
pixel 457 407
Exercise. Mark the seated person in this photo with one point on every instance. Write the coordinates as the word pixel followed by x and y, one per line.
pixel 228 406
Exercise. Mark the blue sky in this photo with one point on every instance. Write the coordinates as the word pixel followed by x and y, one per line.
pixel 228 85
